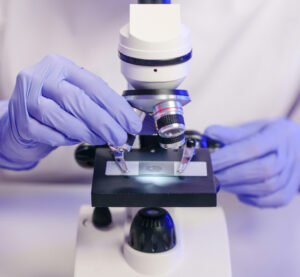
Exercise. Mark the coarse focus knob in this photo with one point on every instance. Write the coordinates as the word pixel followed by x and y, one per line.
pixel 85 155
pixel 152 231
pixel 203 140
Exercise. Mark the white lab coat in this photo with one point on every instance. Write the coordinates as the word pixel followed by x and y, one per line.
pixel 245 66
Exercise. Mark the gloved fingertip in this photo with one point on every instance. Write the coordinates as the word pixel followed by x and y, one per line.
pixel 224 134
pixel 148 126
pixel 95 140
pixel 72 142
pixel 136 126
pixel 63 142
pixel 119 140
pixel 247 200
pixel 215 131
pixel 148 131
pixel 241 198
pixel 217 160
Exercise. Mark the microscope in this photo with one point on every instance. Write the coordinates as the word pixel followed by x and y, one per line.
pixel 153 199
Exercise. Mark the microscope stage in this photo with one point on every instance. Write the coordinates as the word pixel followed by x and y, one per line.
pixel 153 181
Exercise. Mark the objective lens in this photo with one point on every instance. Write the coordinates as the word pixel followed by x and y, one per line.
pixel 172 143
pixel 169 120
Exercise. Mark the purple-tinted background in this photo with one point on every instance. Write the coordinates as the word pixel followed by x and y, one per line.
pixel 38 225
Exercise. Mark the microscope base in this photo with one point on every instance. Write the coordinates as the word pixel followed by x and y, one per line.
pixel 201 234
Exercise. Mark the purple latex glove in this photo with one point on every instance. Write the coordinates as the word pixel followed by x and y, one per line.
pixel 148 126
pixel 260 162
pixel 55 103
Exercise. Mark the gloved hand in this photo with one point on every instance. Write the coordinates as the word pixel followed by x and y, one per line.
pixel 148 126
pixel 55 103
pixel 260 162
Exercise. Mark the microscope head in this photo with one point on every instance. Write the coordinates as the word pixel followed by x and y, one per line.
pixel 155 50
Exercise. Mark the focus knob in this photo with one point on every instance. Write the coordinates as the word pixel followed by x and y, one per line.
pixel 85 155
pixel 152 231
pixel 101 217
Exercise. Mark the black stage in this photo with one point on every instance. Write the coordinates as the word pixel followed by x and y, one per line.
pixel 152 191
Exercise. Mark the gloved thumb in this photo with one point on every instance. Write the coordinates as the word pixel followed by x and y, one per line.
pixel 229 135
pixel 148 126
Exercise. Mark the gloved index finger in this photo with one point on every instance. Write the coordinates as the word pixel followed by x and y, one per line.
pixel 228 135
pixel 247 149
pixel 105 97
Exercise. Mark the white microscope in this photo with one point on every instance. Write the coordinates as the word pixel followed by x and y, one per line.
pixel 181 231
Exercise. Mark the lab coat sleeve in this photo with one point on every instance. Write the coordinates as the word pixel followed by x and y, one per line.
pixel 58 167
